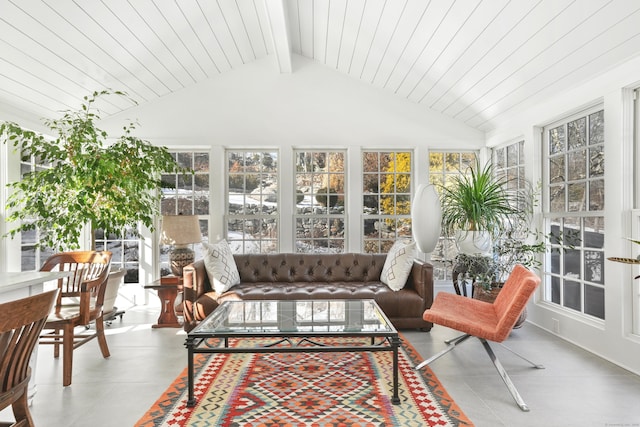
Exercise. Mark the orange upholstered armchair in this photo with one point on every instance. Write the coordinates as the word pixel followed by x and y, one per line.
pixel 485 321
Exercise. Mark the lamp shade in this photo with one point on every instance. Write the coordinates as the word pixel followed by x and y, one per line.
pixel 426 216
pixel 180 230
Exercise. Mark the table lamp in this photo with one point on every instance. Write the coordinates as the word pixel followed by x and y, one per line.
pixel 179 231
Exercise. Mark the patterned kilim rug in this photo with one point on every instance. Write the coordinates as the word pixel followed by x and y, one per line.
pixel 306 389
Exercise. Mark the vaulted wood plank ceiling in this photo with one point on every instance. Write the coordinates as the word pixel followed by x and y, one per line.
pixel 477 61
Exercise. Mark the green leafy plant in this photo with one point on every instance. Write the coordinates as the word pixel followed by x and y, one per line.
pixel 108 186
pixel 477 200
pixel 491 271
pixel 514 242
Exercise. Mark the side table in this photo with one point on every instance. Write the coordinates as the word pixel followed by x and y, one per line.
pixel 167 292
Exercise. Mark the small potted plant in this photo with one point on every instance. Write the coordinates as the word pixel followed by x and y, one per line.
pixel 476 206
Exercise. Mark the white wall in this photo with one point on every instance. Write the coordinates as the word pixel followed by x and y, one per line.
pixel 255 106
pixel 613 338
pixel 315 106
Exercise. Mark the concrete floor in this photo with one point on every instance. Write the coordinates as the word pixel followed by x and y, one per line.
pixel 576 388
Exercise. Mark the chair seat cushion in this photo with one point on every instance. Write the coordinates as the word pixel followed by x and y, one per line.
pixel 69 312
pixel 65 313
pixel 468 315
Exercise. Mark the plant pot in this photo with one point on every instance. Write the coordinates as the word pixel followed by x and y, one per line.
pixel 474 242
pixel 482 294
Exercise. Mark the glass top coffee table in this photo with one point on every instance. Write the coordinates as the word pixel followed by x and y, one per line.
pixel 295 326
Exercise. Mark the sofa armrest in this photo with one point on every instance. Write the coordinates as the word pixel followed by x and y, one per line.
pixel 195 283
pixel 195 277
pixel 421 279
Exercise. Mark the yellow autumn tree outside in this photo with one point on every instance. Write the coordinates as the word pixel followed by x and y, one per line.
pixel 397 184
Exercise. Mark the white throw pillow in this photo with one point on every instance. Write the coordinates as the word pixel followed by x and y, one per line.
pixel 220 265
pixel 398 265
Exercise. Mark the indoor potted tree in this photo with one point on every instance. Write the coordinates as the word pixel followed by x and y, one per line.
pixel 108 186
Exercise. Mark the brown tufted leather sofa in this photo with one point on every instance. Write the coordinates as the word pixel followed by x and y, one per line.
pixel 312 276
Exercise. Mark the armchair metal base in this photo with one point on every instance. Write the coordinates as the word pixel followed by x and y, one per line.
pixel 503 373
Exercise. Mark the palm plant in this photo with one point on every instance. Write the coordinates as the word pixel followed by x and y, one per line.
pixel 482 201
pixel 478 201
pixel 517 245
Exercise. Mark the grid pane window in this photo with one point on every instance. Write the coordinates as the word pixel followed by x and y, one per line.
pixel 509 165
pixel 443 167
pixel 32 257
pixel 574 213
pixel 386 199
pixel 320 222
pixel 125 249
pixel 186 194
pixel 508 162
pixel 252 201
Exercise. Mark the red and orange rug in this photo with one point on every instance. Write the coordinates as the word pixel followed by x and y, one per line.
pixel 306 389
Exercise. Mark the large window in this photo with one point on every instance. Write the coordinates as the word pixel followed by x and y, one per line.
pixel 508 161
pixel 125 250
pixel 574 213
pixel 443 166
pixel 509 165
pixel 252 201
pixel 386 199
pixel 32 257
pixel 186 194
pixel 635 214
pixel 320 224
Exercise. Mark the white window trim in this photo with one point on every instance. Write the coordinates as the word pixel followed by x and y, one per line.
pixel 544 299
pixel 225 185
pixel 412 187
pixel 346 174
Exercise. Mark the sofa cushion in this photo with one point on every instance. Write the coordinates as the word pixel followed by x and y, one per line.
pixel 398 265
pixel 220 265
pixel 393 303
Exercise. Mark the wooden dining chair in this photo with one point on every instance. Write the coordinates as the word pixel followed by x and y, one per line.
pixel 485 321
pixel 79 302
pixel 21 322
